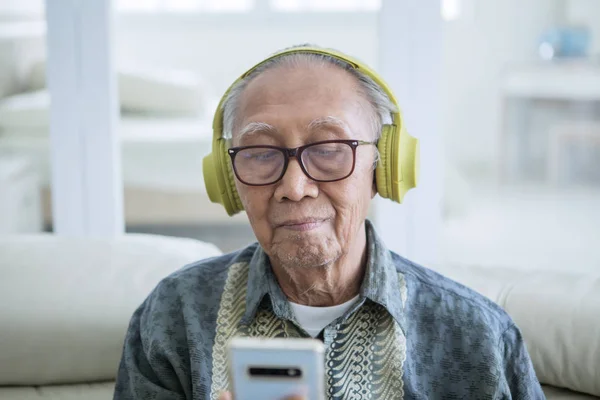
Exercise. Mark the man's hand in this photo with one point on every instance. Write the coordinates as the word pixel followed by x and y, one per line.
pixel 227 396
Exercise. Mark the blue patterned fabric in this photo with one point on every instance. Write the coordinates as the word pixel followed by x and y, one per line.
pixel 413 334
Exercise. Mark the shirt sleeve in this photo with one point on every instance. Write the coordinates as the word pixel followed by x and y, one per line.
pixel 519 380
pixel 150 367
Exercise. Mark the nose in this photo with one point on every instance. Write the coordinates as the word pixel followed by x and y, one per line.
pixel 295 185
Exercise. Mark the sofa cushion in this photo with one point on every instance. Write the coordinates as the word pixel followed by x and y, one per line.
pixel 66 303
pixel 553 393
pixel 22 44
pixel 167 92
pixel 91 391
pixel 26 112
pixel 558 314
pixel 104 391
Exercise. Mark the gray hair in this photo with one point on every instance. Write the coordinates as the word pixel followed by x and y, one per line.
pixel 381 104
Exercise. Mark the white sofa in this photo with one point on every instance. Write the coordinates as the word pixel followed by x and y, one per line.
pixel 559 316
pixel 65 305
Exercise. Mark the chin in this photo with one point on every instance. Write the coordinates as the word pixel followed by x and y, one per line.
pixel 296 253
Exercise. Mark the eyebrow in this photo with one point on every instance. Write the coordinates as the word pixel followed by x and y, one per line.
pixel 329 121
pixel 253 128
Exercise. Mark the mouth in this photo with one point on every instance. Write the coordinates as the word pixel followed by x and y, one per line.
pixel 302 225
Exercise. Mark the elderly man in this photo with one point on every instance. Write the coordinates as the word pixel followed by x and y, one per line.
pixel 300 131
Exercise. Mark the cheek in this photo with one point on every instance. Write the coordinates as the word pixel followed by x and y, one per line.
pixel 256 204
pixel 351 202
pixel 357 192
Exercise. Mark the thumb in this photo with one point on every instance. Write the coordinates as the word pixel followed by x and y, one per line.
pixel 225 396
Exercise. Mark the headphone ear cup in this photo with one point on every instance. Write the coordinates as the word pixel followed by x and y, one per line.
pixel 398 168
pixel 382 175
pixel 219 179
pixel 408 163
pixel 211 182
pixel 235 204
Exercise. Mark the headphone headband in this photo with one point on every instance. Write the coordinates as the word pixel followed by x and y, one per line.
pixel 354 63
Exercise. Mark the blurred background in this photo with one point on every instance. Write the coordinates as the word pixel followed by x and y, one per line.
pixel 520 116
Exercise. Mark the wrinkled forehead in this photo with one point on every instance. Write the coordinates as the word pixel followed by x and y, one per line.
pixel 301 81
pixel 312 96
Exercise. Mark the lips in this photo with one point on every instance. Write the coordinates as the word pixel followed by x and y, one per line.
pixel 302 224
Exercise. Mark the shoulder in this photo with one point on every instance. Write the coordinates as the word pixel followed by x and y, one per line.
pixel 199 283
pixel 432 295
pixel 207 273
pixel 460 340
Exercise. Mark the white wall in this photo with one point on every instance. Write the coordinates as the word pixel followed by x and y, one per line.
pixel 586 12
pixel 221 47
pixel 478 48
pixel 21 9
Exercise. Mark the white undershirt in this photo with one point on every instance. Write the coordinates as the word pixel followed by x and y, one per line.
pixel 314 319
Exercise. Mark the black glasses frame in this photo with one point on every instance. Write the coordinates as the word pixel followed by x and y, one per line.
pixel 297 154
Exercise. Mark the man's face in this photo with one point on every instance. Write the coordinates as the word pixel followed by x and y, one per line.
pixel 300 222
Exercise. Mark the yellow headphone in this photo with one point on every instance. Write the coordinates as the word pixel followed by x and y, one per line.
pixel 396 173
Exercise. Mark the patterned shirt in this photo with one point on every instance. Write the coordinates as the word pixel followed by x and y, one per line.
pixel 413 334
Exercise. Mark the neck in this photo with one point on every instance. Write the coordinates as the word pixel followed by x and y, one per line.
pixel 330 284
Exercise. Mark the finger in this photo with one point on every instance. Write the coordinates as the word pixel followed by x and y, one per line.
pixel 225 396
pixel 295 398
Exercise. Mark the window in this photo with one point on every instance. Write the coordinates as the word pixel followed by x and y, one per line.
pixel 325 5
pixel 451 9
pixel 185 5
pixel 249 5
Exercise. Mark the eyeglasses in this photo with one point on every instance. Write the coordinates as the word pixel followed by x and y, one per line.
pixel 326 161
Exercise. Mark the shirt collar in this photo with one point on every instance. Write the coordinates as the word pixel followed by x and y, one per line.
pixel 381 283
pixel 262 284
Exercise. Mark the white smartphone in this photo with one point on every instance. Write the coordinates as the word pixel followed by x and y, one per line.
pixel 272 369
